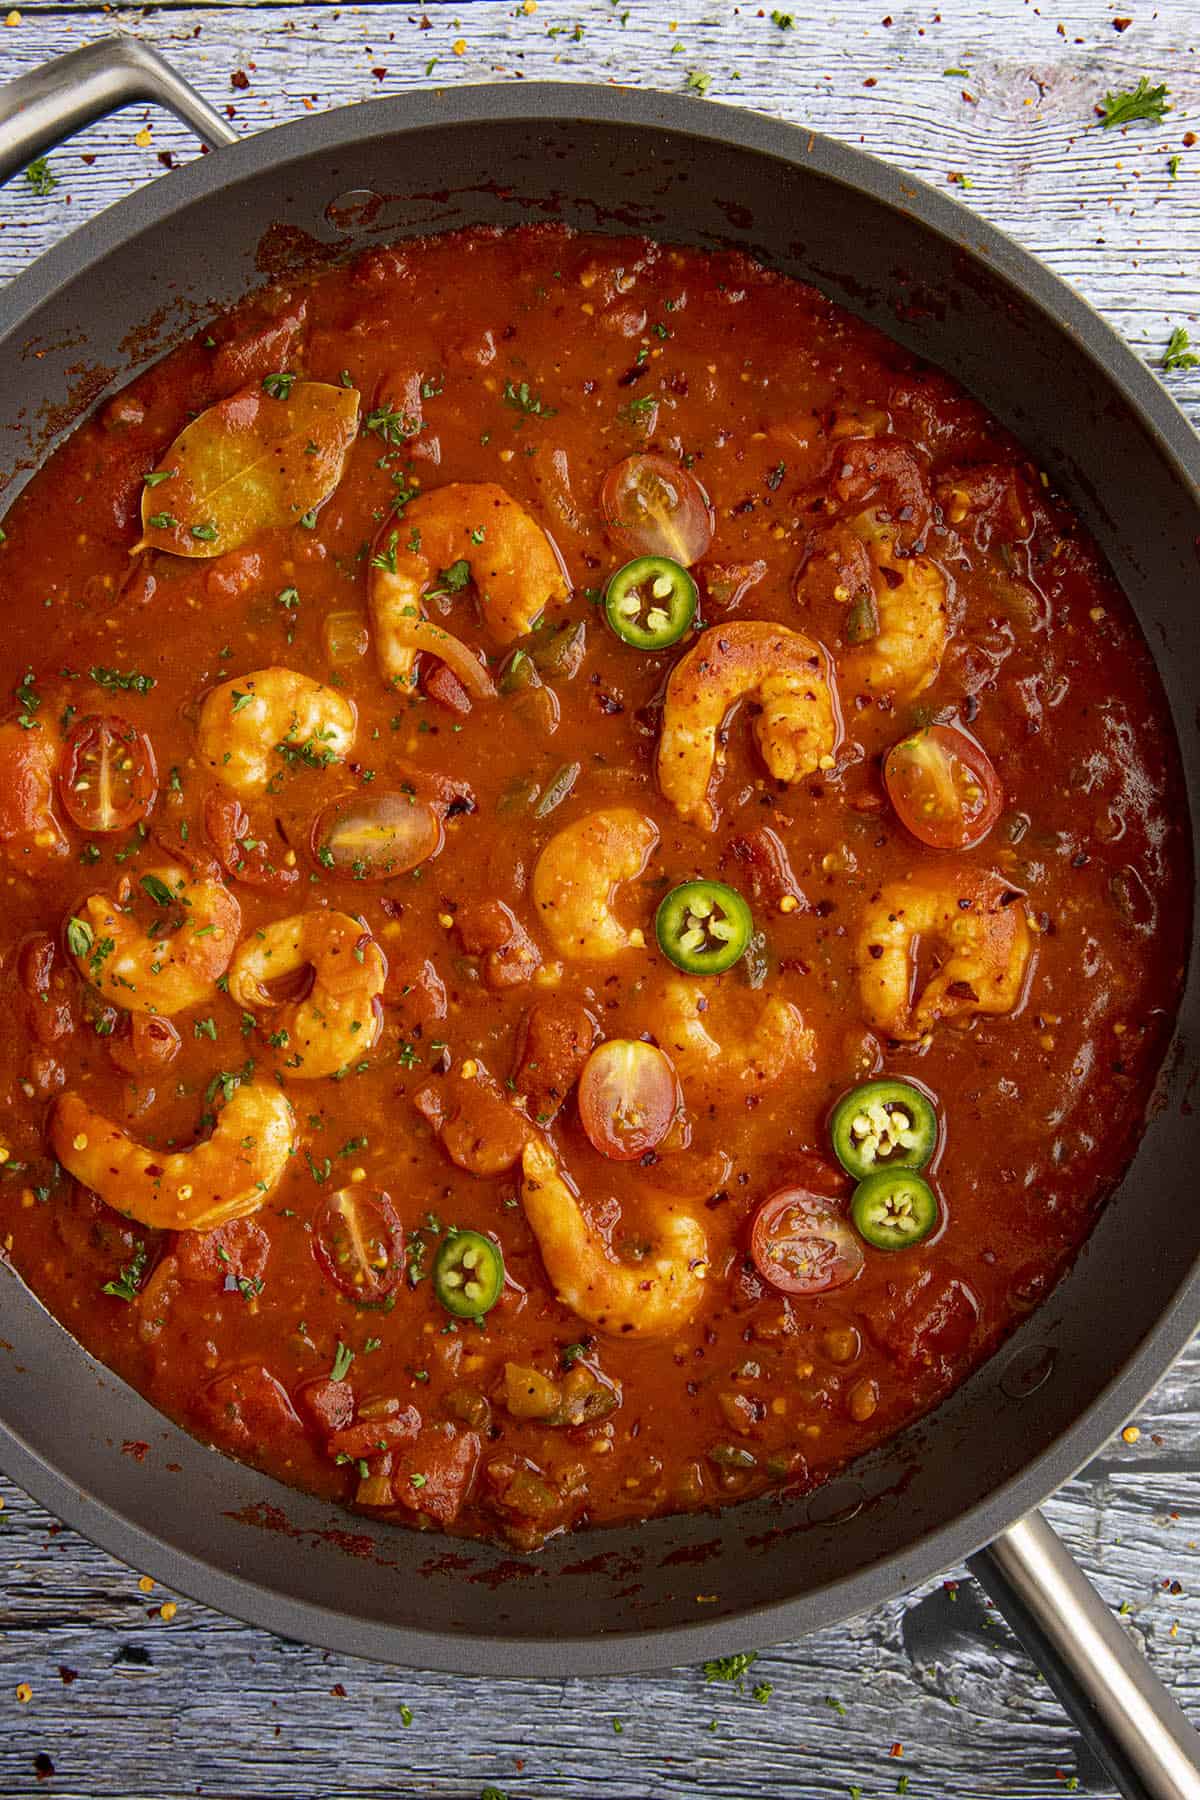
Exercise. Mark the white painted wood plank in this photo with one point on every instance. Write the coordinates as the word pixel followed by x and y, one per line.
pixel 206 1705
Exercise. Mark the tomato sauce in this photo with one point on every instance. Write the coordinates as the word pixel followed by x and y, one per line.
pixel 824 482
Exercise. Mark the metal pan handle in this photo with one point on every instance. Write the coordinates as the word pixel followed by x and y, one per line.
pixel 49 104
pixel 1127 1716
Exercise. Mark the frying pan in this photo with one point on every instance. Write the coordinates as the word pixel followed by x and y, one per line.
pixel 956 292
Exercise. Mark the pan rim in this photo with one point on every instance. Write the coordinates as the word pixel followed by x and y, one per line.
pixel 582 104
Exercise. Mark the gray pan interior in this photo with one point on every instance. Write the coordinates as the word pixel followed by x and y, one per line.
pixel 950 288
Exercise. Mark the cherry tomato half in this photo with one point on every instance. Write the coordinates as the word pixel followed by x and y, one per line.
pixel 628 1098
pixel 652 507
pixel 358 1243
pixel 107 779
pixel 802 1245
pixel 943 786
pixel 372 836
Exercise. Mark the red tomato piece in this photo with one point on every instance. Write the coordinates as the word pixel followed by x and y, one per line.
pixel 108 779
pixel 653 507
pixel 943 787
pixel 628 1098
pixel 801 1244
pixel 373 836
pixel 243 856
pixel 358 1243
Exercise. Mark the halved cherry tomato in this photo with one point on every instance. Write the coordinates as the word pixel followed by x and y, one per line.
pixel 372 836
pixel 108 779
pixel 358 1242
pixel 801 1244
pixel 628 1098
pixel 943 786
pixel 652 507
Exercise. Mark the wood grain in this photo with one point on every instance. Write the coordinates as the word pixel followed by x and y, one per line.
pixel 126 1704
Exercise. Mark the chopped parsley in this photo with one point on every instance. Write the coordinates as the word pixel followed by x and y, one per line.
pixel 343 1357
pixel 730 1668
pixel 279 386
pixel 30 702
pixel 1177 354
pixel 392 425
pixel 386 558
pixel 785 21
pixel 698 82
pixel 1142 102
pixel 158 890
pixel 80 937
pixel 41 177
pixel 129 681
pixel 521 397
pixel 452 580
pixel 128 1283
pixel 205 533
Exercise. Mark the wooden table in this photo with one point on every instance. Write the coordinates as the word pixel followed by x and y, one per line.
pixel 100 1694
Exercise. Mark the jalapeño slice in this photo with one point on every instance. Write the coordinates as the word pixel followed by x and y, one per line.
pixel 894 1209
pixel 883 1125
pixel 651 602
pixel 468 1274
pixel 704 927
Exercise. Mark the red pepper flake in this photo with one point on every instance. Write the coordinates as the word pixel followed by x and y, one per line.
pixel 1189 138
pixel 896 1750
pixel 886 21
pixel 67 1675
pixel 969 98
pixel 1122 24
pixel 240 80
pixel 338 1691
pixel 379 74
pixel 870 81
pixel 43 1767
pixel 88 157
pixel 167 159
pixel 136 1448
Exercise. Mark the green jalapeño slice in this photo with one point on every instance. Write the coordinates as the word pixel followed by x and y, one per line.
pixel 651 602
pixel 894 1209
pixel 468 1274
pixel 883 1125
pixel 704 927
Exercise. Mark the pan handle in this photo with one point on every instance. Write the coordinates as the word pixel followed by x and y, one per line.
pixel 1127 1716
pixel 49 104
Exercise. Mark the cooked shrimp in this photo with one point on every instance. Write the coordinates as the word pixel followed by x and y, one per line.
pixel 798 729
pixel 909 606
pixel 779 1043
pixel 226 1177
pixel 577 874
pixel 253 727
pixel 979 927
pixel 649 1297
pixel 338 1019
pixel 173 965
pixel 512 562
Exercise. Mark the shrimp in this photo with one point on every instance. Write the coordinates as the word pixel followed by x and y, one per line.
pixel 177 962
pixel 778 1044
pixel 226 1177
pixel 647 1298
pixel 798 729
pixel 252 727
pixel 339 1019
pixel 575 877
pixel 514 566
pixel 979 926
pixel 904 614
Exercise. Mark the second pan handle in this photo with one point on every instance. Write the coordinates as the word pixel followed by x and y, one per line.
pixel 1142 1736
pixel 39 110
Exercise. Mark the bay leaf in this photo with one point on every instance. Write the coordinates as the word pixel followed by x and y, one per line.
pixel 248 463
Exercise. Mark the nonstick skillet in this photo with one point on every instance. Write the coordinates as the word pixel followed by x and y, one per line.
pixel 956 292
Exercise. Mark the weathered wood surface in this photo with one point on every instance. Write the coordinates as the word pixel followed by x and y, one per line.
pixel 126 1704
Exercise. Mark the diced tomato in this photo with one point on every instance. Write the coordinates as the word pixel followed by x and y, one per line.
pixel 329 1404
pixel 435 1476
